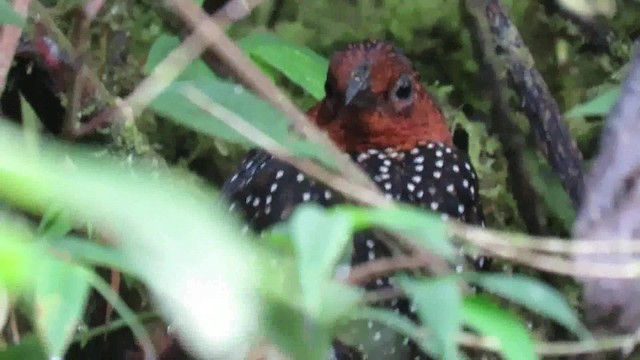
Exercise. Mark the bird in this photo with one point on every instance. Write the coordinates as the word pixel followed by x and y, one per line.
pixel 377 111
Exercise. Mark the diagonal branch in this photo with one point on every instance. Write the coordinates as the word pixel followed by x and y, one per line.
pixel 546 121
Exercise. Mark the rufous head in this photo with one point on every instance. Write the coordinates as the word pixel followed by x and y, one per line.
pixel 373 99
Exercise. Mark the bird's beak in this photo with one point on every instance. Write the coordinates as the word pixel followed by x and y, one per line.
pixel 358 84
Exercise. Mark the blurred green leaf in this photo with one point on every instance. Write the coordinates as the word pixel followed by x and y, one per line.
pixel 31 124
pixel 61 293
pixel 55 223
pixel 235 104
pixel 162 46
pixel 598 106
pixel 423 226
pixel 533 294
pixel 300 64
pixel 550 189
pixel 18 256
pixel 439 305
pixel 91 253
pixel 8 16
pixel 138 330
pixel 399 323
pixel 295 334
pixel 278 236
pixel 180 243
pixel 490 320
pixel 320 238
pixel 29 348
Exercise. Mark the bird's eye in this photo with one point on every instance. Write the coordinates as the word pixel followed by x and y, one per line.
pixel 328 89
pixel 403 88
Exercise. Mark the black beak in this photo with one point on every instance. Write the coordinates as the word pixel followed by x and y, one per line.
pixel 358 84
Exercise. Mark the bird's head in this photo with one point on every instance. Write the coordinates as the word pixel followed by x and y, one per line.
pixel 373 99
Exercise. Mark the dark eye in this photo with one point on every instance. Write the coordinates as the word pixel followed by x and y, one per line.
pixel 403 88
pixel 328 89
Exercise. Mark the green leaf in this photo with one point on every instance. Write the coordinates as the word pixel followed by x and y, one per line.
pixel 169 230
pixel 236 104
pixel 320 238
pixel 439 305
pixel 598 106
pixel 535 295
pixel 294 333
pixel 31 124
pixel 549 187
pixel 162 46
pixel 29 348
pixel 490 320
pixel 61 293
pixel 8 16
pixel 386 321
pixel 55 223
pixel 17 256
pixel 123 310
pixel 425 227
pixel 91 253
pixel 300 64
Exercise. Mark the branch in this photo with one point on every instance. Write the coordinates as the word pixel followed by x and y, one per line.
pixel 511 137
pixel 9 37
pixel 546 122
pixel 80 39
pixel 611 209
pixel 597 35
pixel 162 76
pixel 366 272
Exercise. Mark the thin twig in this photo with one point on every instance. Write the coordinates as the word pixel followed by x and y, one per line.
pixel 162 76
pixel 42 14
pixel 235 10
pixel 385 294
pixel 597 35
pixel 557 265
pixel 231 119
pixel 9 38
pixel 80 40
pixel 97 331
pixel 363 273
pixel 475 235
pixel 556 348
